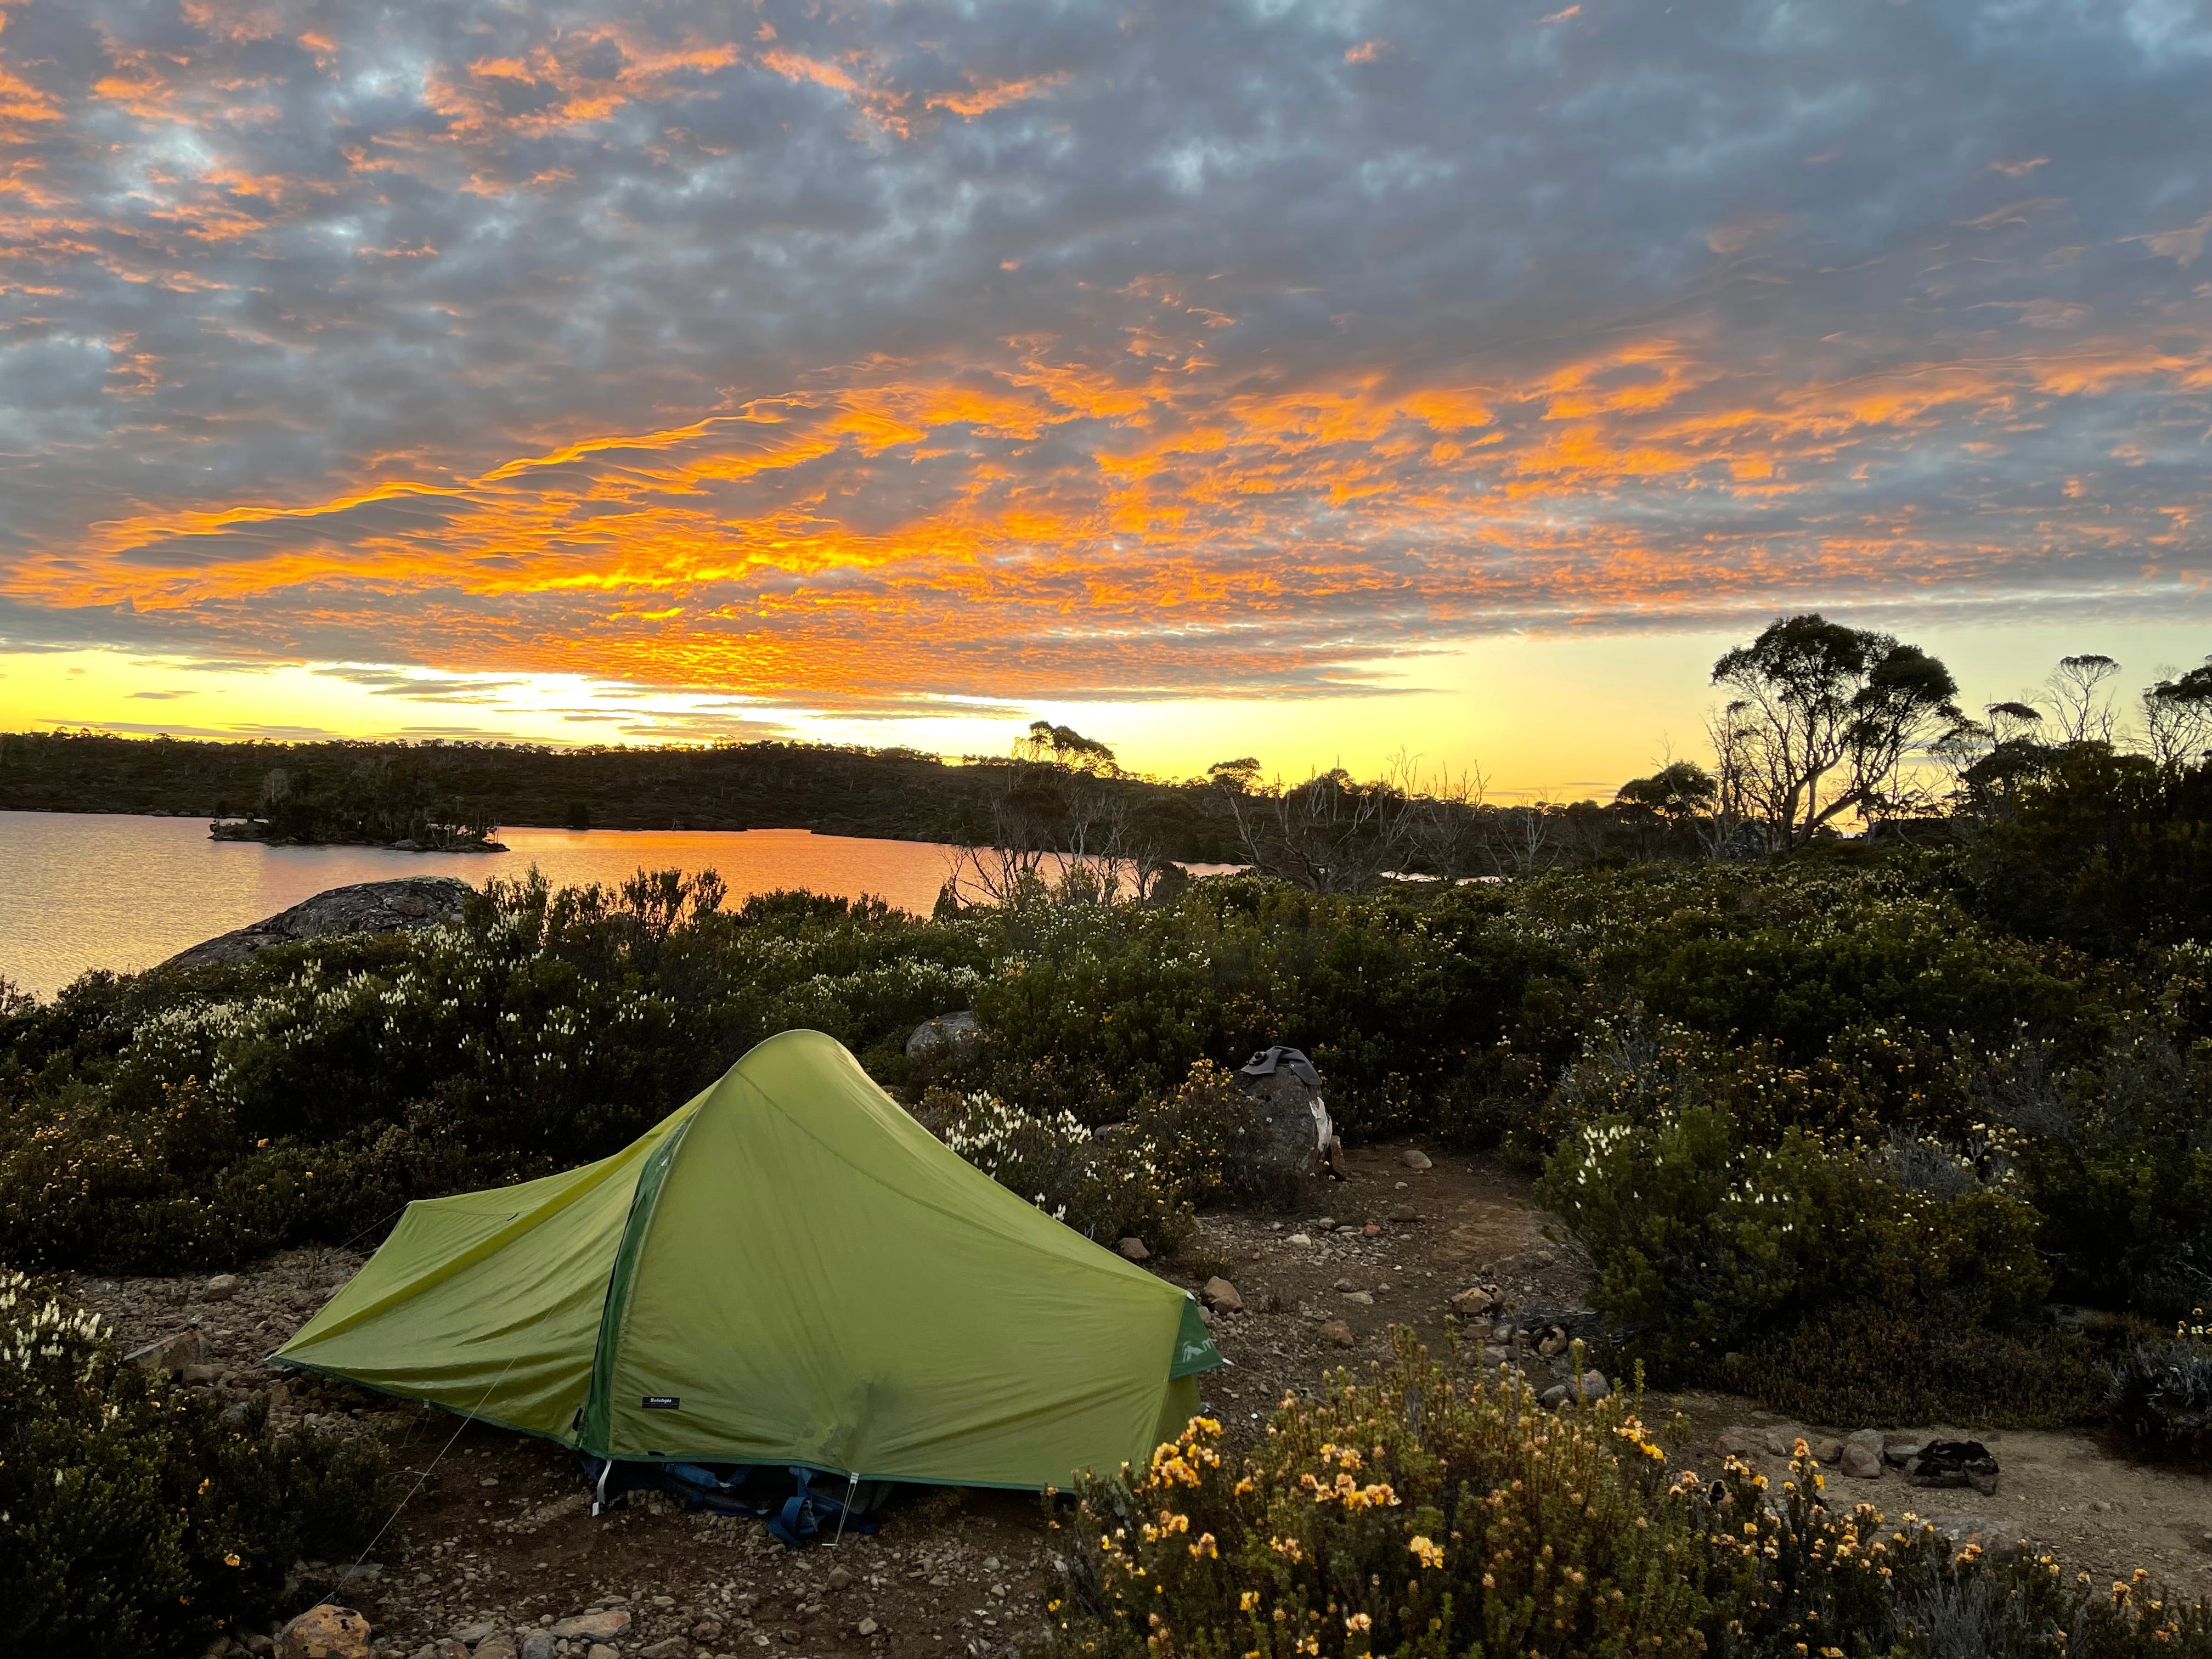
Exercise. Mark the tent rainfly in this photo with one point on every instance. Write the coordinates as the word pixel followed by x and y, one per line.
pixel 788 1270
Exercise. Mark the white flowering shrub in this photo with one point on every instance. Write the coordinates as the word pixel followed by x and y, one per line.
pixel 134 1520
pixel 1106 1188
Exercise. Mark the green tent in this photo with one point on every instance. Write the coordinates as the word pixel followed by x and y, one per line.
pixel 788 1270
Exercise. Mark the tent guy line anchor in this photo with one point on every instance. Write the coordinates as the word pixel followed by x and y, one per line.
pixel 428 1469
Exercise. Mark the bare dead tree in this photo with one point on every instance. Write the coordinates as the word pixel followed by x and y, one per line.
pixel 2082 707
pixel 1328 835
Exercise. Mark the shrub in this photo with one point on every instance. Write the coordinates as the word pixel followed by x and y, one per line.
pixel 1872 1365
pixel 133 1519
pixel 2162 1393
pixel 1405 1515
pixel 1105 1189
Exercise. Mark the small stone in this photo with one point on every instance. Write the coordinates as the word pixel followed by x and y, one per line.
pixel 673 1647
pixel 538 1644
pixel 1302 1240
pixel 1826 1452
pixel 220 1288
pixel 1594 1387
pixel 1555 1396
pixel 1337 1332
pixel 866 1627
pixel 1345 1284
pixel 1472 1302
pixel 990 1564
pixel 499 1645
pixel 1221 1296
pixel 1734 1442
pixel 601 1650
pixel 324 1632
pixel 1135 1250
pixel 706 1630
pixel 1405 1212
pixel 593 1627
pixel 1327 1223
pixel 1901 1451
pixel 839 1579
pixel 1554 1342
pixel 1364 1298
pixel 1417 1161
pixel 1372 1229
pixel 1862 1458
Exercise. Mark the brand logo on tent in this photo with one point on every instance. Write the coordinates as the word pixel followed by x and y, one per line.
pixel 1192 1351
pixel 663 1403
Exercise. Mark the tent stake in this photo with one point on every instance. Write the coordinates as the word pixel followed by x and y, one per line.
pixel 845 1508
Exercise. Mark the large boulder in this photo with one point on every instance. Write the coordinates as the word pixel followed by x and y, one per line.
pixel 369 907
pixel 945 1032
pixel 1284 1084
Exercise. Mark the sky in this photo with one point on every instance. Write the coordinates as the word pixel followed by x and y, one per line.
pixel 1312 381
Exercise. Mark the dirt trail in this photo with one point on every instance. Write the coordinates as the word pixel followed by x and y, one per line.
pixel 501 1530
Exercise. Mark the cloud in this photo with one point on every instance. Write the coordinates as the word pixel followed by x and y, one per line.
pixel 859 359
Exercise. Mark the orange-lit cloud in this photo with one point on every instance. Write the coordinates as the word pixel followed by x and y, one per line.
pixel 835 359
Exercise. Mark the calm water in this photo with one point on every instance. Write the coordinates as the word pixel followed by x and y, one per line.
pixel 85 889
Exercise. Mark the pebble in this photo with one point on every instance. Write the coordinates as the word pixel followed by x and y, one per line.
pixel 1416 1160
pixel 1364 1298
pixel 1221 1296
pixel 1135 1250
pixel 866 1627
pixel 220 1288
pixel 324 1632
pixel 1862 1458
pixel 1337 1332
pixel 593 1627
pixel 1300 1239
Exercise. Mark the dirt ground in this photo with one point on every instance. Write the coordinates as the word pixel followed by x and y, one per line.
pixel 498 1532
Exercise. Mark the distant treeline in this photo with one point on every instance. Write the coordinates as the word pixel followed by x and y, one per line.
pixel 892 794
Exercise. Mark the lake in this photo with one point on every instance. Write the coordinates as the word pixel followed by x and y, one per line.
pixel 90 889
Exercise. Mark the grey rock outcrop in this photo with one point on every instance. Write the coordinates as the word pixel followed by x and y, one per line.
pixel 369 907
pixel 945 1032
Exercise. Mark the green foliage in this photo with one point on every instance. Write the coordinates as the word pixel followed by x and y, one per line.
pixel 2161 1392
pixel 133 1519
pixel 1867 1363
pixel 1405 1515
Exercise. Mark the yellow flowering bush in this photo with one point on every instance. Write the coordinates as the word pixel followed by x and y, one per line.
pixel 1415 1514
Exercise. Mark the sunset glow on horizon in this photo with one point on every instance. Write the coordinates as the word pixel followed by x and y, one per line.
pixel 1307 380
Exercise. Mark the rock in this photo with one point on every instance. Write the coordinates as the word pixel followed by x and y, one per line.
pixel 1283 1084
pixel 1372 1229
pixel 601 1650
pixel 1134 1249
pixel 1338 1332
pixel 1302 1240
pixel 1862 1458
pixel 674 1647
pixel 1955 1464
pixel 1404 1212
pixel 1473 1302
pixel 706 1630
pixel 1325 1224
pixel 369 907
pixel 1734 1442
pixel 1416 1160
pixel 955 1031
pixel 499 1645
pixel 1900 1451
pixel 1828 1453
pixel 220 1288
pixel 1553 1342
pixel 593 1627
pixel 1594 1387
pixel 469 1635
pixel 170 1353
pixel 1555 1396
pixel 324 1632
pixel 1364 1298
pixel 866 1627
pixel 537 1644
pixel 1221 1296
pixel 839 1579
pixel 258 1645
